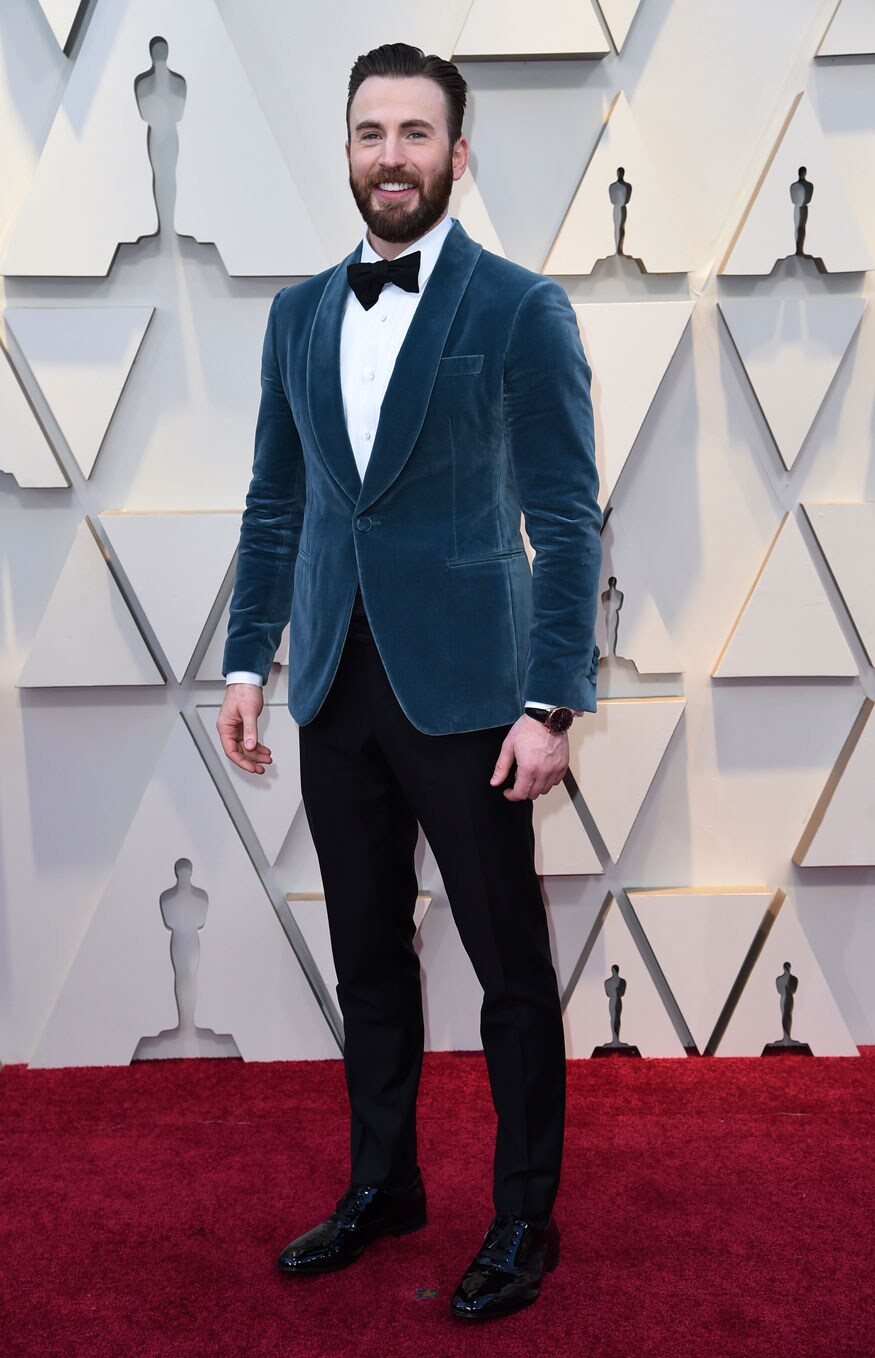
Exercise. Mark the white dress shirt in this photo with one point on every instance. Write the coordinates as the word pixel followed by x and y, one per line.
pixel 369 345
pixel 370 341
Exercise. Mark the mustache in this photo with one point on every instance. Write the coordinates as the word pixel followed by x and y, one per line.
pixel 394 179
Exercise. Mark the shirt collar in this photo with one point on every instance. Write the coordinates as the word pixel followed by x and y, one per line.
pixel 428 245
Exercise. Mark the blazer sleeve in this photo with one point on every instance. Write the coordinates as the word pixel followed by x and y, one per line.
pixel 551 444
pixel 270 529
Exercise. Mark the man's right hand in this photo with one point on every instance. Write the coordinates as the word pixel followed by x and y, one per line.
pixel 237 724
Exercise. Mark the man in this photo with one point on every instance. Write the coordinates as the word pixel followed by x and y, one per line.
pixel 414 400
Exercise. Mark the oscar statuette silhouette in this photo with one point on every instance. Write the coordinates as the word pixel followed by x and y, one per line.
pixel 615 989
pixel 787 984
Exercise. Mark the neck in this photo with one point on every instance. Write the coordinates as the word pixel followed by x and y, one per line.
pixel 392 249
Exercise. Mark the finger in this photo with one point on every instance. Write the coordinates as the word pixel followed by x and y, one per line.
pixel 250 760
pixel 249 765
pixel 228 736
pixel 250 731
pixel 521 788
pixel 253 761
pixel 550 777
pixel 503 764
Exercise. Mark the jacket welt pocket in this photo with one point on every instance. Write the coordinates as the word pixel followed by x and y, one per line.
pixel 487 557
pixel 459 365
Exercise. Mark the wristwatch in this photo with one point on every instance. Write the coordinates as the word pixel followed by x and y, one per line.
pixel 556 719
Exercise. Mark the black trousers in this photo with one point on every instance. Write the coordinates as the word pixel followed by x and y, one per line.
pixel 368 776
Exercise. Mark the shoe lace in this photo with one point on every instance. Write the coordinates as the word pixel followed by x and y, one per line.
pixel 501 1241
pixel 352 1202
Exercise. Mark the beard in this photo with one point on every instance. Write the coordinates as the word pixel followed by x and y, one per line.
pixel 396 222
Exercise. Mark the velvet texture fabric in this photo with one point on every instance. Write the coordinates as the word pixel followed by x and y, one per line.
pixel 487 413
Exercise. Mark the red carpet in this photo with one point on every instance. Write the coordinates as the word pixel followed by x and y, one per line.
pixel 709 1207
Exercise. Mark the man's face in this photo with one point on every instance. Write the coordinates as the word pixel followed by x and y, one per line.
pixel 401 164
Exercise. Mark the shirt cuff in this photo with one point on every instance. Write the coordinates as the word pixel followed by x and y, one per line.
pixel 243 677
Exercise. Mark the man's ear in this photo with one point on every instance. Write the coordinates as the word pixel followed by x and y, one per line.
pixel 460 158
pixel 346 148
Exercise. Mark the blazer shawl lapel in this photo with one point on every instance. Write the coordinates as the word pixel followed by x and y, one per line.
pixel 324 393
pixel 410 386
pixel 407 396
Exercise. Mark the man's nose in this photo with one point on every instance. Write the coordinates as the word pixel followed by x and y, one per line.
pixel 393 152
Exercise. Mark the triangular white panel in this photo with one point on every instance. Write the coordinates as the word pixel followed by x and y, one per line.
pixel 841 831
pixel 451 993
pixel 618 16
pixel 591 228
pixel 263 226
pixel 561 842
pixel 851 32
pixel 638 632
pixel 210 668
pixel 467 205
pixel 62 15
pixel 786 626
pixel 271 799
pixel 701 938
pixel 282 651
pixel 570 921
pixel 816 1019
pixel 644 1020
pixel 768 232
pixel 311 917
pixel 517 29
pixel 233 186
pixel 614 757
pixel 81 357
pixel 175 564
pixel 120 985
pixel 87 636
pixel 846 534
pixel 791 348
pixel 623 386
pixel 24 451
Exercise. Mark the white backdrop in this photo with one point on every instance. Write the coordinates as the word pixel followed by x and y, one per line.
pixel 731 785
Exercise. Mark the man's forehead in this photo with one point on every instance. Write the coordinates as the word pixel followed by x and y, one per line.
pixel 384 98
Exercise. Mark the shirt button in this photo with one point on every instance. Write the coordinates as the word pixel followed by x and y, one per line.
pixel 368 374
pixel 367 436
pixel 382 315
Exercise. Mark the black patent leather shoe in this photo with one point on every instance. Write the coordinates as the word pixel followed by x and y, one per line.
pixel 506 1274
pixel 363 1214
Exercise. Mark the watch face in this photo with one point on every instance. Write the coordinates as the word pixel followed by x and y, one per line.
pixel 559 720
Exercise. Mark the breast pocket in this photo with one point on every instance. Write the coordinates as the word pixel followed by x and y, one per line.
pixel 460 365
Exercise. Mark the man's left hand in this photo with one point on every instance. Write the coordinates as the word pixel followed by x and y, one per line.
pixel 541 760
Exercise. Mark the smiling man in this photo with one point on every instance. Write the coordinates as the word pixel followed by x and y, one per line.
pixel 402 202
pixel 416 400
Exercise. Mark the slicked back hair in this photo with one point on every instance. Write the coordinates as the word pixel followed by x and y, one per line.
pixel 398 60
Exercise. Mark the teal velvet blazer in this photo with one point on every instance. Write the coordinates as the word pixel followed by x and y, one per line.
pixel 487 414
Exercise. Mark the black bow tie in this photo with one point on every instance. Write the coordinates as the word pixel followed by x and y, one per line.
pixel 368 280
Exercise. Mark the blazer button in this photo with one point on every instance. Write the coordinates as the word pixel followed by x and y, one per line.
pixel 364 524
